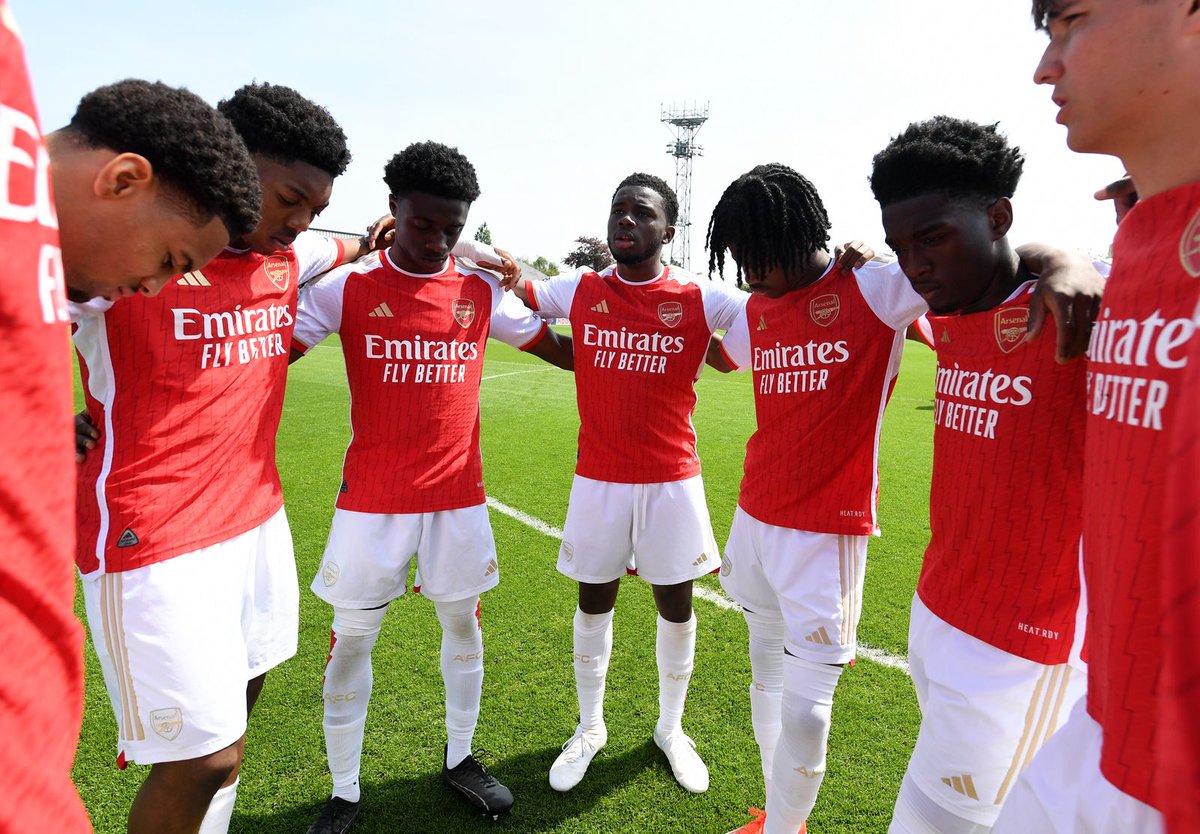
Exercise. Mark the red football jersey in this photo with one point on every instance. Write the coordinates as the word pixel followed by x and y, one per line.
pixel 1006 503
pixel 42 687
pixel 1138 352
pixel 186 389
pixel 1179 759
pixel 638 350
pixel 413 346
pixel 825 359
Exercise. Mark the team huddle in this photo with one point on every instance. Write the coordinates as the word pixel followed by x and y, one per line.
pixel 1052 641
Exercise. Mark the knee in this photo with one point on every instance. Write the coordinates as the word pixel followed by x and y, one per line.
pixel 459 619
pixel 674 602
pixel 355 631
pixel 207 773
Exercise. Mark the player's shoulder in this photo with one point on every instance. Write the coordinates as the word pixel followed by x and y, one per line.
pixel 876 269
pixel 339 275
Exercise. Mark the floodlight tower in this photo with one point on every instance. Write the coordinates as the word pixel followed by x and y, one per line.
pixel 685 123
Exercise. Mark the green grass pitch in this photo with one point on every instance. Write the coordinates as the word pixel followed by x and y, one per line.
pixel 529 429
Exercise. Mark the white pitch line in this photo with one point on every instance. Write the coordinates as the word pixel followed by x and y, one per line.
pixel 717 598
pixel 511 373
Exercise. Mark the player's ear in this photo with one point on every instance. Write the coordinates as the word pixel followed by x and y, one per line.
pixel 392 204
pixel 1000 217
pixel 668 234
pixel 125 176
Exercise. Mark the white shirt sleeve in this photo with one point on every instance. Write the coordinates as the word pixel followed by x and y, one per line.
pixel 319 308
pixel 889 295
pixel 553 298
pixel 736 344
pixel 722 303
pixel 475 250
pixel 512 322
pixel 80 311
pixel 316 253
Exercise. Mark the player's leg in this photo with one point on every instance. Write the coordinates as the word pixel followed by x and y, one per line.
pixel 985 713
pixel 456 560
pixel 595 549
pixel 818 579
pixel 743 580
pixel 171 641
pixel 364 567
pixel 674 545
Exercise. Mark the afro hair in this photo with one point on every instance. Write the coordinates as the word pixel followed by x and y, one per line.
pixel 953 157
pixel 192 147
pixel 432 168
pixel 279 123
pixel 670 201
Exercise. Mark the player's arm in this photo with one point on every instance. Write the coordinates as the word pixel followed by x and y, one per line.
pixel 1070 287
pixel 555 348
pixel 715 358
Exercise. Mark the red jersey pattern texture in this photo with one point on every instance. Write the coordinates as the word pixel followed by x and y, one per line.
pixel 42 688
pixel 186 389
pixel 1138 353
pixel 1179 751
pixel 639 348
pixel 824 359
pixel 1006 503
pixel 413 346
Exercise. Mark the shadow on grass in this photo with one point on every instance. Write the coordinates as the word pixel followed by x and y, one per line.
pixel 424 804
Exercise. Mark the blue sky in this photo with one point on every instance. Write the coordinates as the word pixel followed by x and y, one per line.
pixel 554 102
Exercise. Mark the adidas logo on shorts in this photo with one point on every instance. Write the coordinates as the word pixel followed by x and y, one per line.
pixel 819 636
pixel 963 784
pixel 703 558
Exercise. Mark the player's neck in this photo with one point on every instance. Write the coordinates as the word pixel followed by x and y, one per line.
pixel 814 270
pixel 1168 164
pixel 1007 275
pixel 642 271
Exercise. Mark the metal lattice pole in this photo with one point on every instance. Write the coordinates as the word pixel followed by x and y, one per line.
pixel 685 123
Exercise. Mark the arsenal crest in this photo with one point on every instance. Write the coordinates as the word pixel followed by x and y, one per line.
pixel 824 309
pixel 1010 327
pixel 464 311
pixel 278 271
pixel 670 313
pixel 1189 247
pixel 167 722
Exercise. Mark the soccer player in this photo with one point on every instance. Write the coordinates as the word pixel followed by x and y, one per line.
pixel 1104 769
pixel 121 190
pixel 993 620
pixel 641 333
pixel 413 321
pixel 824 343
pixel 188 575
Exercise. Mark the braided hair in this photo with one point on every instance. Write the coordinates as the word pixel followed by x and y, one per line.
pixel 771 216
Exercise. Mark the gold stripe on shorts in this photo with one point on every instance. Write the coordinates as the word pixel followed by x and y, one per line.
pixel 112 605
pixel 1040 721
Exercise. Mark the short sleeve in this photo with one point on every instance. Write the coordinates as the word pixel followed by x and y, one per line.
pixel 553 297
pixel 924 329
pixel 736 344
pixel 512 322
pixel 316 253
pixel 319 309
pixel 722 303
pixel 476 251
pixel 889 294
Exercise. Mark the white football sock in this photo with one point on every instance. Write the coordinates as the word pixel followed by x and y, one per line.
pixel 593 647
pixel 347 692
pixel 220 810
pixel 462 673
pixel 766 686
pixel 799 764
pixel 675 648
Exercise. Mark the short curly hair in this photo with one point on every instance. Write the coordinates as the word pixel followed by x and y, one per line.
pixel 432 168
pixel 953 157
pixel 670 201
pixel 192 147
pixel 279 123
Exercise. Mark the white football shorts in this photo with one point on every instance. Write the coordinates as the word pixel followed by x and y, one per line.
pixel 664 528
pixel 1064 792
pixel 813 580
pixel 367 557
pixel 179 639
pixel 985 713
